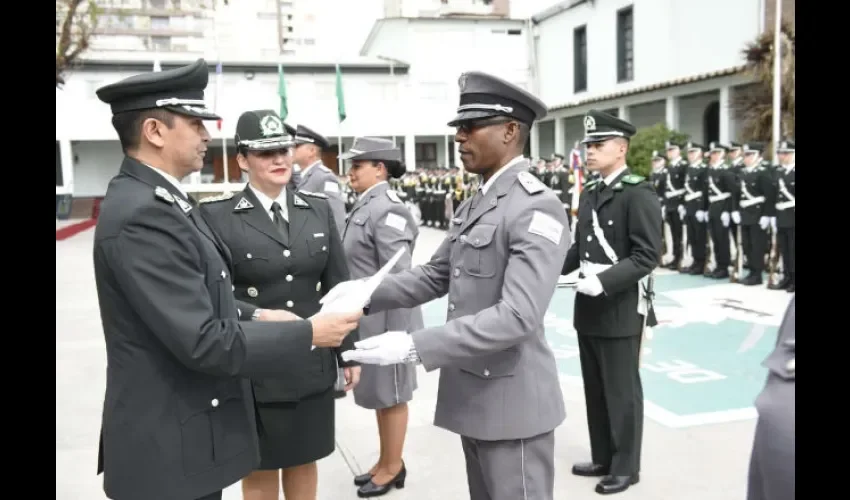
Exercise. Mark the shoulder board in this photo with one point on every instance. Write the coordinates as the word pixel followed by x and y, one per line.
pixel 162 194
pixel 633 179
pixel 219 197
pixel 393 196
pixel 590 184
pixel 314 195
pixel 530 183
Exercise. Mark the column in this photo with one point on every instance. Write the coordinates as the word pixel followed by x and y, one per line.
pixel 535 140
pixel 560 136
pixel 672 112
pixel 66 155
pixel 447 152
pixel 623 113
pixel 410 152
pixel 725 118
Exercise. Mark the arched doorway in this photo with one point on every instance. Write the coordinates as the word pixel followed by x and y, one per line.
pixel 711 123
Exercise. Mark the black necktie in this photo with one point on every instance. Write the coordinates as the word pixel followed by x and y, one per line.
pixel 279 221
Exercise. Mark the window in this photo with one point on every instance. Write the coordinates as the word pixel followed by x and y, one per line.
pixel 161 43
pixel 59 181
pixel 625 45
pixel 159 23
pixel 426 152
pixel 157 4
pixel 580 59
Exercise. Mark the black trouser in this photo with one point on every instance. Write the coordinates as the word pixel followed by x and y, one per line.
pixel 754 244
pixel 720 238
pixel 675 231
pixel 613 395
pixel 785 237
pixel 697 238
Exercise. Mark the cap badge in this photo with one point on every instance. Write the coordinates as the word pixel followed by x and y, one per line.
pixel 271 125
pixel 589 124
pixel 461 82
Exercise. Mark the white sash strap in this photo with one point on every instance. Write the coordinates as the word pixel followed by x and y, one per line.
pixel 593 269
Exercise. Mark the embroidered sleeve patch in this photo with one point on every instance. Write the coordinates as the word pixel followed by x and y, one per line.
pixel 546 226
pixel 396 222
pixel 331 187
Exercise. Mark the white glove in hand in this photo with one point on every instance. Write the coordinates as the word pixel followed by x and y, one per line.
pixel 773 224
pixel 589 286
pixel 724 218
pixel 388 348
pixel 682 212
pixel 736 217
pixel 702 216
pixel 764 222
pixel 342 289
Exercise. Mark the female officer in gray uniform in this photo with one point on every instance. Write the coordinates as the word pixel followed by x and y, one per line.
pixel 378 225
pixel 286 253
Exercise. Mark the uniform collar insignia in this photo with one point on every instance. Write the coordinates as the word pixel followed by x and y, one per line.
pixel 243 204
pixel 163 194
pixel 183 204
pixel 299 202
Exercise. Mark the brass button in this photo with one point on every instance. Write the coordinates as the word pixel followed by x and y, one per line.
pixel 286 253
pixel 288 277
pixel 214 403
pixel 252 292
pixel 289 303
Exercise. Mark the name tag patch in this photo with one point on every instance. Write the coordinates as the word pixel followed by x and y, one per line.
pixel 396 222
pixel 546 226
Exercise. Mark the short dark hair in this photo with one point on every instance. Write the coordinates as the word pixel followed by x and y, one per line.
pixel 129 125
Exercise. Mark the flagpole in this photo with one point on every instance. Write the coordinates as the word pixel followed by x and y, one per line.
pixel 339 162
pixel 777 79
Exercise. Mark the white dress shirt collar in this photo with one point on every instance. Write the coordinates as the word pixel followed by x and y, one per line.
pixel 266 202
pixel 170 178
pixel 499 172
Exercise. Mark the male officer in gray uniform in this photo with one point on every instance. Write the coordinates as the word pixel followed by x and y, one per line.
pixel 773 470
pixel 618 244
pixel 499 265
pixel 315 176
pixel 178 418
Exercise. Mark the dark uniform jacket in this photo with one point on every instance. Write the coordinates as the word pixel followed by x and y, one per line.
pixel 756 194
pixel 271 271
pixel 720 190
pixel 674 190
pixel 629 216
pixel 786 205
pixel 696 182
pixel 178 416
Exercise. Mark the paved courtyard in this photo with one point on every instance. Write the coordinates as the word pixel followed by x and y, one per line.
pixel 701 372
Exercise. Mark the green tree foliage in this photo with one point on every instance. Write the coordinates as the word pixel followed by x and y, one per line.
pixel 647 140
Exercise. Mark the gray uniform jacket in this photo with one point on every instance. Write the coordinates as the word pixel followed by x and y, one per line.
pixel 380 224
pixel 321 179
pixel 499 265
pixel 773 468
pixel 178 413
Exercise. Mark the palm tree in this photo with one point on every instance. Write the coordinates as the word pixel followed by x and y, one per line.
pixel 755 104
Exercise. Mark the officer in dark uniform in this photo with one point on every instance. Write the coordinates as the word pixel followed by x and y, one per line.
pixel 315 176
pixel 287 252
pixel 695 207
pixel 674 196
pixel 178 419
pixel 735 160
pixel 658 178
pixel 773 467
pixel 618 245
pixel 755 206
pixel 721 202
pixel 785 224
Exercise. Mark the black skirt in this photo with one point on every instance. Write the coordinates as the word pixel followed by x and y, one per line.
pixel 296 433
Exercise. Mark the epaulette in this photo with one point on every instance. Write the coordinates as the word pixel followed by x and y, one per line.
pixel 531 184
pixel 219 197
pixel 162 194
pixel 314 195
pixel 393 196
pixel 633 179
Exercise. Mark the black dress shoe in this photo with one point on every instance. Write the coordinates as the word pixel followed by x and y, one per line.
pixel 589 469
pixel 370 489
pixel 362 479
pixel 616 484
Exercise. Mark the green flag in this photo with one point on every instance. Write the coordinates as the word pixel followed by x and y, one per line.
pixel 340 99
pixel 281 91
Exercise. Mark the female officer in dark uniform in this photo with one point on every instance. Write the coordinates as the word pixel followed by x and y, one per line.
pixel 380 224
pixel 286 254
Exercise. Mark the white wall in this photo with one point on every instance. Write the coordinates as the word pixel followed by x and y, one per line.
pixel 672 39
pixel 372 102
pixel 95 163
pixel 438 51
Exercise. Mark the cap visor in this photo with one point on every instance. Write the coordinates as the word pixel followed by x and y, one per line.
pixel 267 145
pixel 348 155
pixel 465 116
pixel 598 138
pixel 201 112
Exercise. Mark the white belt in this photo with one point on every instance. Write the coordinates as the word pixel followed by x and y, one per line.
pixel 784 205
pixel 674 193
pixel 693 196
pixel 752 201
pixel 718 197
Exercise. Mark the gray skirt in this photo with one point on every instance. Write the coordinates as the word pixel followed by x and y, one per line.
pixel 385 386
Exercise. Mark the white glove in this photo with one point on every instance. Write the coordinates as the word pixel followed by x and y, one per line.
pixel 724 218
pixel 773 224
pixel 342 289
pixel 388 348
pixel 702 216
pixel 764 221
pixel 736 217
pixel 589 286
pixel 682 212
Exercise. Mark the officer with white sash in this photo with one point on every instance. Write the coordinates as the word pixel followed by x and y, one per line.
pixel 785 221
pixel 617 246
